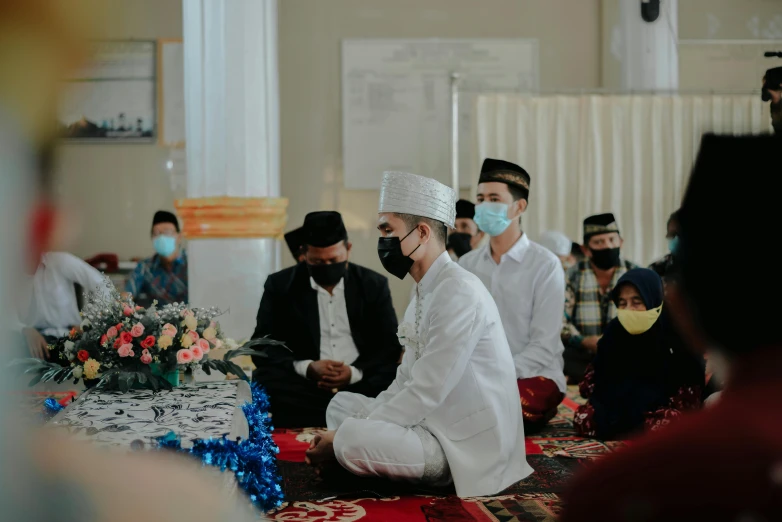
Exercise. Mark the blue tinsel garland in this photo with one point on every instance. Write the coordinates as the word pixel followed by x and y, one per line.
pixel 51 408
pixel 253 460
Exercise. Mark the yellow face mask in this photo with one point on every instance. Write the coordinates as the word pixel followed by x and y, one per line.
pixel 637 322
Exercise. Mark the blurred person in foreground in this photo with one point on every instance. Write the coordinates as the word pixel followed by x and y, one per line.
pixel 561 246
pixel 643 375
pixel 725 462
pixel 162 277
pixel 44 476
pixel 588 304
pixel 772 92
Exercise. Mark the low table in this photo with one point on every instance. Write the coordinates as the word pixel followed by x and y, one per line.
pixel 136 418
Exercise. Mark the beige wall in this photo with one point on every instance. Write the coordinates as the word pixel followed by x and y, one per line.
pixel 310 35
pixel 115 189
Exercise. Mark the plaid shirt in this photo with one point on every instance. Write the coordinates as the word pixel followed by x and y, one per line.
pixel 587 309
pixel 151 280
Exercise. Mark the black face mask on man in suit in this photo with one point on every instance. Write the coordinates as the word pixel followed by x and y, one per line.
pixel 327 275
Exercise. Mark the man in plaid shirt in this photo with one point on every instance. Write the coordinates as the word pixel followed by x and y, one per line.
pixel 588 305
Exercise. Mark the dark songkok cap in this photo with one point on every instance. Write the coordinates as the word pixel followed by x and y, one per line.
pixel 296 239
pixel 323 229
pixel 741 165
pixel 772 81
pixel 465 209
pixel 599 224
pixel 164 216
pixel 500 171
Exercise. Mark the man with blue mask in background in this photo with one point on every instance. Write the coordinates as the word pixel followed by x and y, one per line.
pixel 162 277
pixel 664 265
pixel 525 280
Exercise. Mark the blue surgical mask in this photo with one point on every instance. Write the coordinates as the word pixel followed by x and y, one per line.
pixel 492 218
pixel 164 245
pixel 673 244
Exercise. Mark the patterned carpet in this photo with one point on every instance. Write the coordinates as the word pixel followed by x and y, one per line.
pixel 554 454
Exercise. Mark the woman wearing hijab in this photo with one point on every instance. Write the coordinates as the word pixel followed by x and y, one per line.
pixel 643 375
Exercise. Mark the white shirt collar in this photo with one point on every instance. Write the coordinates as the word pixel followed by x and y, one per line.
pixel 429 277
pixel 516 252
pixel 339 288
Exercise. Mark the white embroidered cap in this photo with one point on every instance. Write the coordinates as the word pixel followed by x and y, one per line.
pixel 405 193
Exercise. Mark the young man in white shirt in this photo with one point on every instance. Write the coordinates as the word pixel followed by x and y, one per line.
pixel 525 280
pixel 452 414
pixel 338 321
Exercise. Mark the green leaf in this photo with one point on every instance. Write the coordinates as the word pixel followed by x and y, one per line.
pixel 125 382
pixel 141 377
pixel 35 380
pixel 206 368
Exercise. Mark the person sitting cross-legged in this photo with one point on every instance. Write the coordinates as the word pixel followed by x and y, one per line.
pixel 337 319
pixel 452 415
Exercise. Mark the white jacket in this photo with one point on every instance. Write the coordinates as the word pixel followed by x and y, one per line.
pixel 463 388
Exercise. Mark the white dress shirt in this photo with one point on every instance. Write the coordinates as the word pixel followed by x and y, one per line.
pixel 529 289
pixel 52 308
pixel 336 340
pixel 456 381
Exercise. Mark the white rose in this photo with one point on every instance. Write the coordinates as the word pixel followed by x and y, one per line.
pixel 69 346
pixel 77 372
pixel 405 331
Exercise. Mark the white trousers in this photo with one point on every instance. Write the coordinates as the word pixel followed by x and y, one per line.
pixel 380 449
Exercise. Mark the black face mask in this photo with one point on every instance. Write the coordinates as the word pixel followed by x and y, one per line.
pixel 327 275
pixel 389 249
pixel 459 242
pixel 605 258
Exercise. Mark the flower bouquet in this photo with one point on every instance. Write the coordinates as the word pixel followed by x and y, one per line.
pixel 120 346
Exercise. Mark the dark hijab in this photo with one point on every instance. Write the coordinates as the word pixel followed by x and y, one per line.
pixel 636 374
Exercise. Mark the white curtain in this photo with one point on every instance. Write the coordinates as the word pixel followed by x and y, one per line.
pixel 630 155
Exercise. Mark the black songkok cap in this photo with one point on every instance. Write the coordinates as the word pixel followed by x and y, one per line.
pixel 599 224
pixel 323 229
pixel 772 82
pixel 164 216
pixel 499 171
pixel 733 171
pixel 465 209
pixel 296 239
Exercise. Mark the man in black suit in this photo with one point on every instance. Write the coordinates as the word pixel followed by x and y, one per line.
pixel 337 319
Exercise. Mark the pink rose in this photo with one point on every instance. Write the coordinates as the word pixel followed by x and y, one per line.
pixel 111 333
pixel 127 311
pixel 193 335
pixel 137 330
pixel 198 354
pixel 184 356
pixel 103 340
pixel 146 358
pixel 169 330
pixel 126 350
pixel 204 345
pixel 187 313
pixel 218 343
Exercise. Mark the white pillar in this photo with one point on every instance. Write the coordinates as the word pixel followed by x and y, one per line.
pixel 650 54
pixel 232 132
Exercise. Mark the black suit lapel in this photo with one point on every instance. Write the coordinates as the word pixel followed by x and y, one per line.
pixel 353 304
pixel 306 302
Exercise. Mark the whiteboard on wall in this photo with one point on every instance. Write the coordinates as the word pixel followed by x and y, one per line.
pixel 714 65
pixel 396 102
pixel 171 93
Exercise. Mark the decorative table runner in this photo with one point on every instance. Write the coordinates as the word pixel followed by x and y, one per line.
pixel 192 411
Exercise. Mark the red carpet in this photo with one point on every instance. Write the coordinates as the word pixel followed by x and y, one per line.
pixel 554 454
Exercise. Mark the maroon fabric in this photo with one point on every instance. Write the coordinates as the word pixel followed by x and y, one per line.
pixel 539 399
pixel 723 463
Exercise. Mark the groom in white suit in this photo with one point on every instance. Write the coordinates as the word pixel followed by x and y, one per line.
pixel 452 414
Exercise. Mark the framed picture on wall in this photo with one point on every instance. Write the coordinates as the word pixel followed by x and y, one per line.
pixel 114 98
